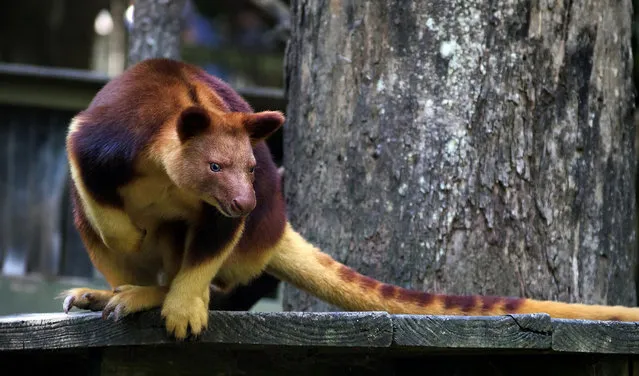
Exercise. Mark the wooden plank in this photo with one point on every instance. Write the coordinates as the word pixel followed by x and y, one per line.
pixel 73 89
pixel 33 176
pixel 327 343
pixel 17 204
pixel 53 162
pixel 608 337
pixel 39 188
pixel 329 329
pixel 371 329
pixel 65 75
pixel 5 132
pixel 57 331
pixel 491 332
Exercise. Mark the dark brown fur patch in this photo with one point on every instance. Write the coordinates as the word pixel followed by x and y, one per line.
pixel 213 234
pixel 265 225
pixel 512 304
pixel 489 302
pixel 347 274
pixel 387 291
pixel 105 154
pixel 415 297
pixel 175 232
pixel 464 303
pixel 367 283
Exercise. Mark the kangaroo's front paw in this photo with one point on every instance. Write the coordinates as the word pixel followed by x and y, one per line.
pixel 183 313
pixel 129 299
pixel 85 298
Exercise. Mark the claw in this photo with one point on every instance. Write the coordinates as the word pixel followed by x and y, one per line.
pixel 68 303
pixel 107 311
pixel 117 312
pixel 84 298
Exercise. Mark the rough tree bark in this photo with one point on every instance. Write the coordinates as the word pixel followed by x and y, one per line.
pixel 156 31
pixel 465 147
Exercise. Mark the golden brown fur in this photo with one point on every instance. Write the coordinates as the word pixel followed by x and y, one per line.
pixel 300 263
pixel 171 176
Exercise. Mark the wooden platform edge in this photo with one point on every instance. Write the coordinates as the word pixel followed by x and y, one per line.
pixel 522 333
pixel 73 89
pixel 88 330
pixel 463 332
pixel 602 337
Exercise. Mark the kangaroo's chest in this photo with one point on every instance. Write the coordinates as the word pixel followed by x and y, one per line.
pixel 150 200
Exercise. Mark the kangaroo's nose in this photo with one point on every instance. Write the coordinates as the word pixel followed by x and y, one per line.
pixel 242 205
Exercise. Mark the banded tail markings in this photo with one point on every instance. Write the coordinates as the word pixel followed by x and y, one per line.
pixel 298 262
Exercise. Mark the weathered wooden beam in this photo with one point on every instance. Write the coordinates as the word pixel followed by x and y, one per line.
pixel 604 337
pixel 491 332
pixel 523 334
pixel 73 89
pixel 85 330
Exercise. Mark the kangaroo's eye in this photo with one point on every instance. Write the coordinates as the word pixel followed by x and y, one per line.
pixel 215 167
pixel 252 169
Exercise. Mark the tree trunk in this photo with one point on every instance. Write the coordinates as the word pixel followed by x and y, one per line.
pixel 476 147
pixel 156 32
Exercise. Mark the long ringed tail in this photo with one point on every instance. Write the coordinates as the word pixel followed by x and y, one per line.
pixel 298 262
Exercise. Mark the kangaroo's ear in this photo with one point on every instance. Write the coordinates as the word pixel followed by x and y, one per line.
pixel 192 121
pixel 260 125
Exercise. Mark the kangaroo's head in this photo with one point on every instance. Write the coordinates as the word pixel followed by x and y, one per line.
pixel 215 160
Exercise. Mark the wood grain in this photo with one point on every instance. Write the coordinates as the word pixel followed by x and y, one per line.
pixel 52 162
pixel 335 343
pixel 82 330
pixel 18 221
pixel 33 200
pixel 371 329
pixel 605 337
pixel 327 329
pixel 504 332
